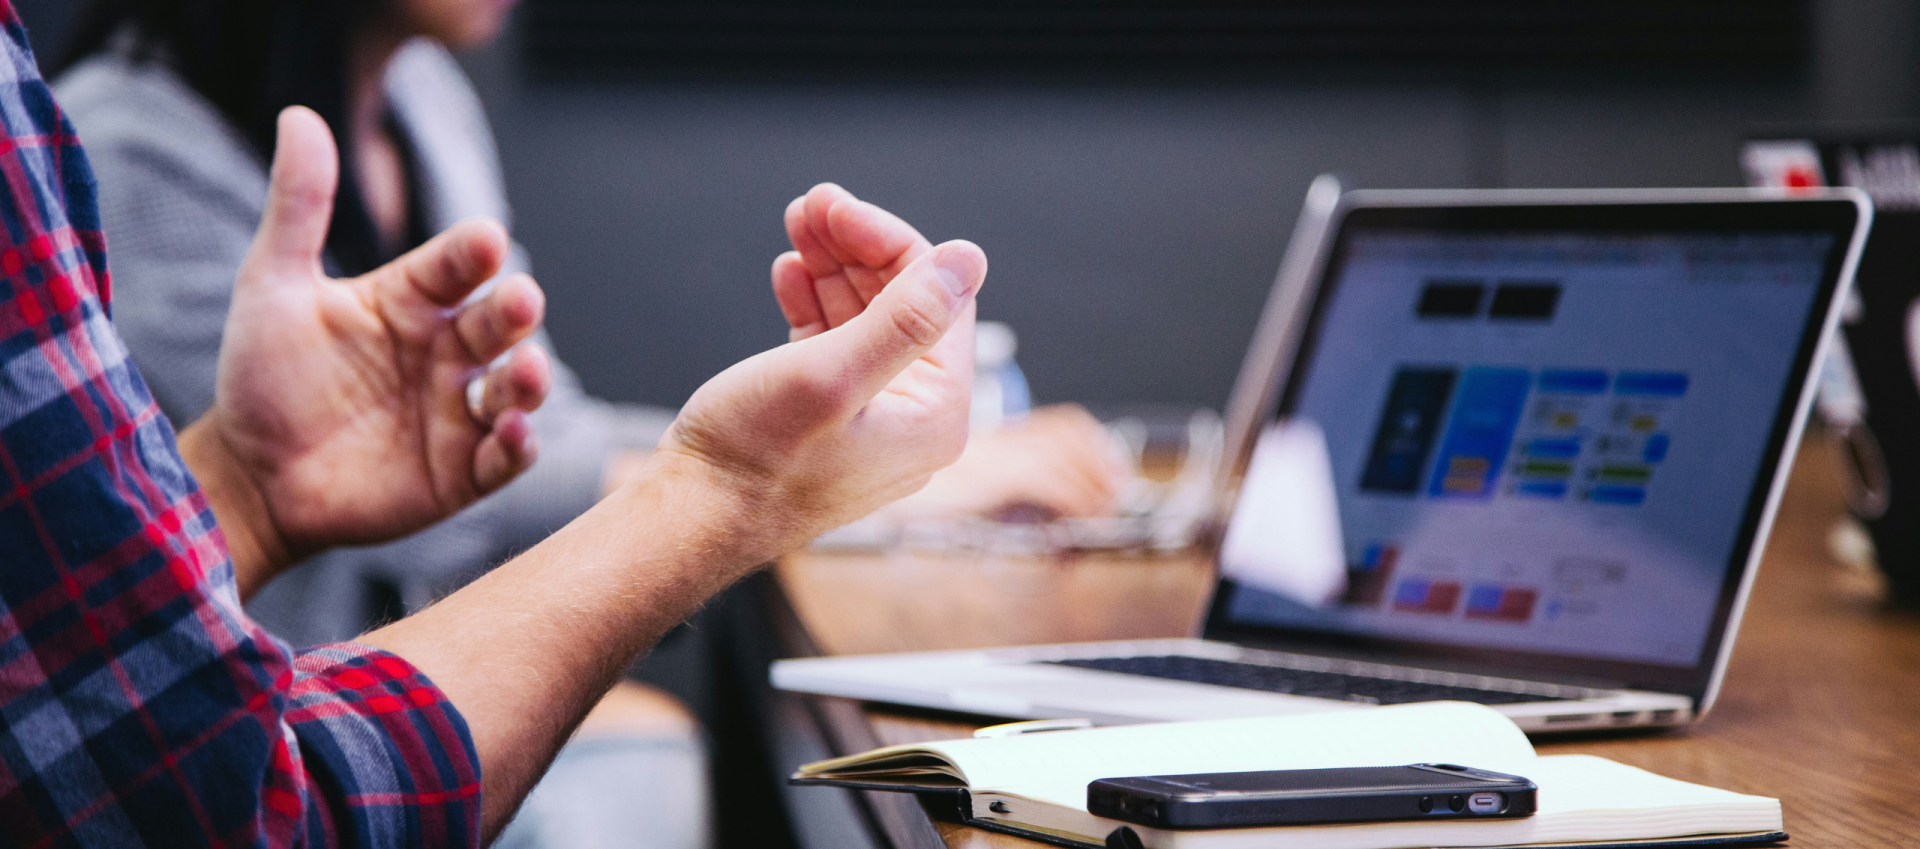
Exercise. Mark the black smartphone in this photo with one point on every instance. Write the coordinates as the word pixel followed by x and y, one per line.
pixel 1306 796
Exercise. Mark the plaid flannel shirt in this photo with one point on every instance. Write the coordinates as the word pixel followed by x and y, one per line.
pixel 138 704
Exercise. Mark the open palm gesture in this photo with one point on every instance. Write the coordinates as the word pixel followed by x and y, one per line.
pixel 342 406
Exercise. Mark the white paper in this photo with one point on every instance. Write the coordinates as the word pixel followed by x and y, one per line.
pixel 1285 532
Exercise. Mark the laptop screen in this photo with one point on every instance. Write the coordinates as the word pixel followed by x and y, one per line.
pixel 1545 443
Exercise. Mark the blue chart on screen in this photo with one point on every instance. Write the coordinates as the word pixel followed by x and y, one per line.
pixel 1483 421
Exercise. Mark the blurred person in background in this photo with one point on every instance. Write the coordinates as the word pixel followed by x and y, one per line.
pixel 176 101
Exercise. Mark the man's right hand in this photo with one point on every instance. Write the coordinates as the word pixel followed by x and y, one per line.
pixel 1059 462
pixel 826 429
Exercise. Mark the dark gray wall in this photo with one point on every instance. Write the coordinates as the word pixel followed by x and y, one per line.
pixel 1133 229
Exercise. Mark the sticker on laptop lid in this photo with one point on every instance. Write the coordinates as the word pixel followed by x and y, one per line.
pixel 1791 166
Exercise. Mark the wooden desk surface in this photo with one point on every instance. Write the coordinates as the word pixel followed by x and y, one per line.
pixel 1821 706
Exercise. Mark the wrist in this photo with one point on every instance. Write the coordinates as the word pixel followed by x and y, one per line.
pixel 734 520
pixel 254 541
pixel 624 466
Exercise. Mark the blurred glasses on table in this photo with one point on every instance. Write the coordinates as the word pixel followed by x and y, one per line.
pixel 1171 459
pixel 1173 462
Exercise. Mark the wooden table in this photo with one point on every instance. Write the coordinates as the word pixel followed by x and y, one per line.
pixel 1821 707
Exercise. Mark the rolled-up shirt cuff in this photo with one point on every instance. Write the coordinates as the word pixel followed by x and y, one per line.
pixel 391 761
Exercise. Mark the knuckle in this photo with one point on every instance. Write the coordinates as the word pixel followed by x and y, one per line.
pixel 453 264
pixel 920 322
pixel 301 195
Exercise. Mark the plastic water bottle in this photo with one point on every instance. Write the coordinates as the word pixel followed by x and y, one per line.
pixel 999 388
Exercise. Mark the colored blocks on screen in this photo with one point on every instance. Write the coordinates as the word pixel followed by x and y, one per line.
pixel 1419 595
pixel 1546 468
pixel 1553 449
pixel 1665 384
pixel 1495 603
pixel 1409 423
pixel 1451 299
pixel 1466 475
pixel 1541 489
pixel 1480 430
pixel 1367 580
pixel 1656 448
pixel 1628 495
pixel 1574 381
pixel 1525 300
pixel 1625 474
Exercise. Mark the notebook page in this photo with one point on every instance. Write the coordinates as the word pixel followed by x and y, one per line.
pixel 1586 785
pixel 1057 766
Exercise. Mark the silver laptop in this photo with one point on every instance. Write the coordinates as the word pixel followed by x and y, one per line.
pixel 1550 431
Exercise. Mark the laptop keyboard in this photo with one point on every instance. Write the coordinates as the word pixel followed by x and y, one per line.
pixel 1299 682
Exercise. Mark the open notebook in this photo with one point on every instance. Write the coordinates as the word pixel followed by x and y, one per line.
pixel 1036 784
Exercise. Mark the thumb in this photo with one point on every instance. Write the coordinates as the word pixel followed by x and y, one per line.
pixel 306 170
pixel 910 316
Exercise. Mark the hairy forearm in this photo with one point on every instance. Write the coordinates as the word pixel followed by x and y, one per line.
pixel 525 651
pixel 257 550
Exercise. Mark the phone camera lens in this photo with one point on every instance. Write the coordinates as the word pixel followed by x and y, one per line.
pixel 1426 804
pixel 1457 804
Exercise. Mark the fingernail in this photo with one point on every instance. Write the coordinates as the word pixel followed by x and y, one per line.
pixel 957 270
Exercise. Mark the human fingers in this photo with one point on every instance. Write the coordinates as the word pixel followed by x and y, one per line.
pixel 1086 446
pixel 878 243
pixel 850 249
pixel 1093 485
pixel 814 255
pixel 508 449
pixel 839 301
pixel 1080 436
pixel 306 170
pixel 910 318
pixel 1036 482
pixel 815 206
pixel 1060 471
pixel 953 354
pixel 824 262
pixel 1067 497
pixel 1062 453
pixel 445 270
pixel 793 289
pixel 521 383
pixel 506 316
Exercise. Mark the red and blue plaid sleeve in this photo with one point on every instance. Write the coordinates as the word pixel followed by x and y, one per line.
pixel 138 703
